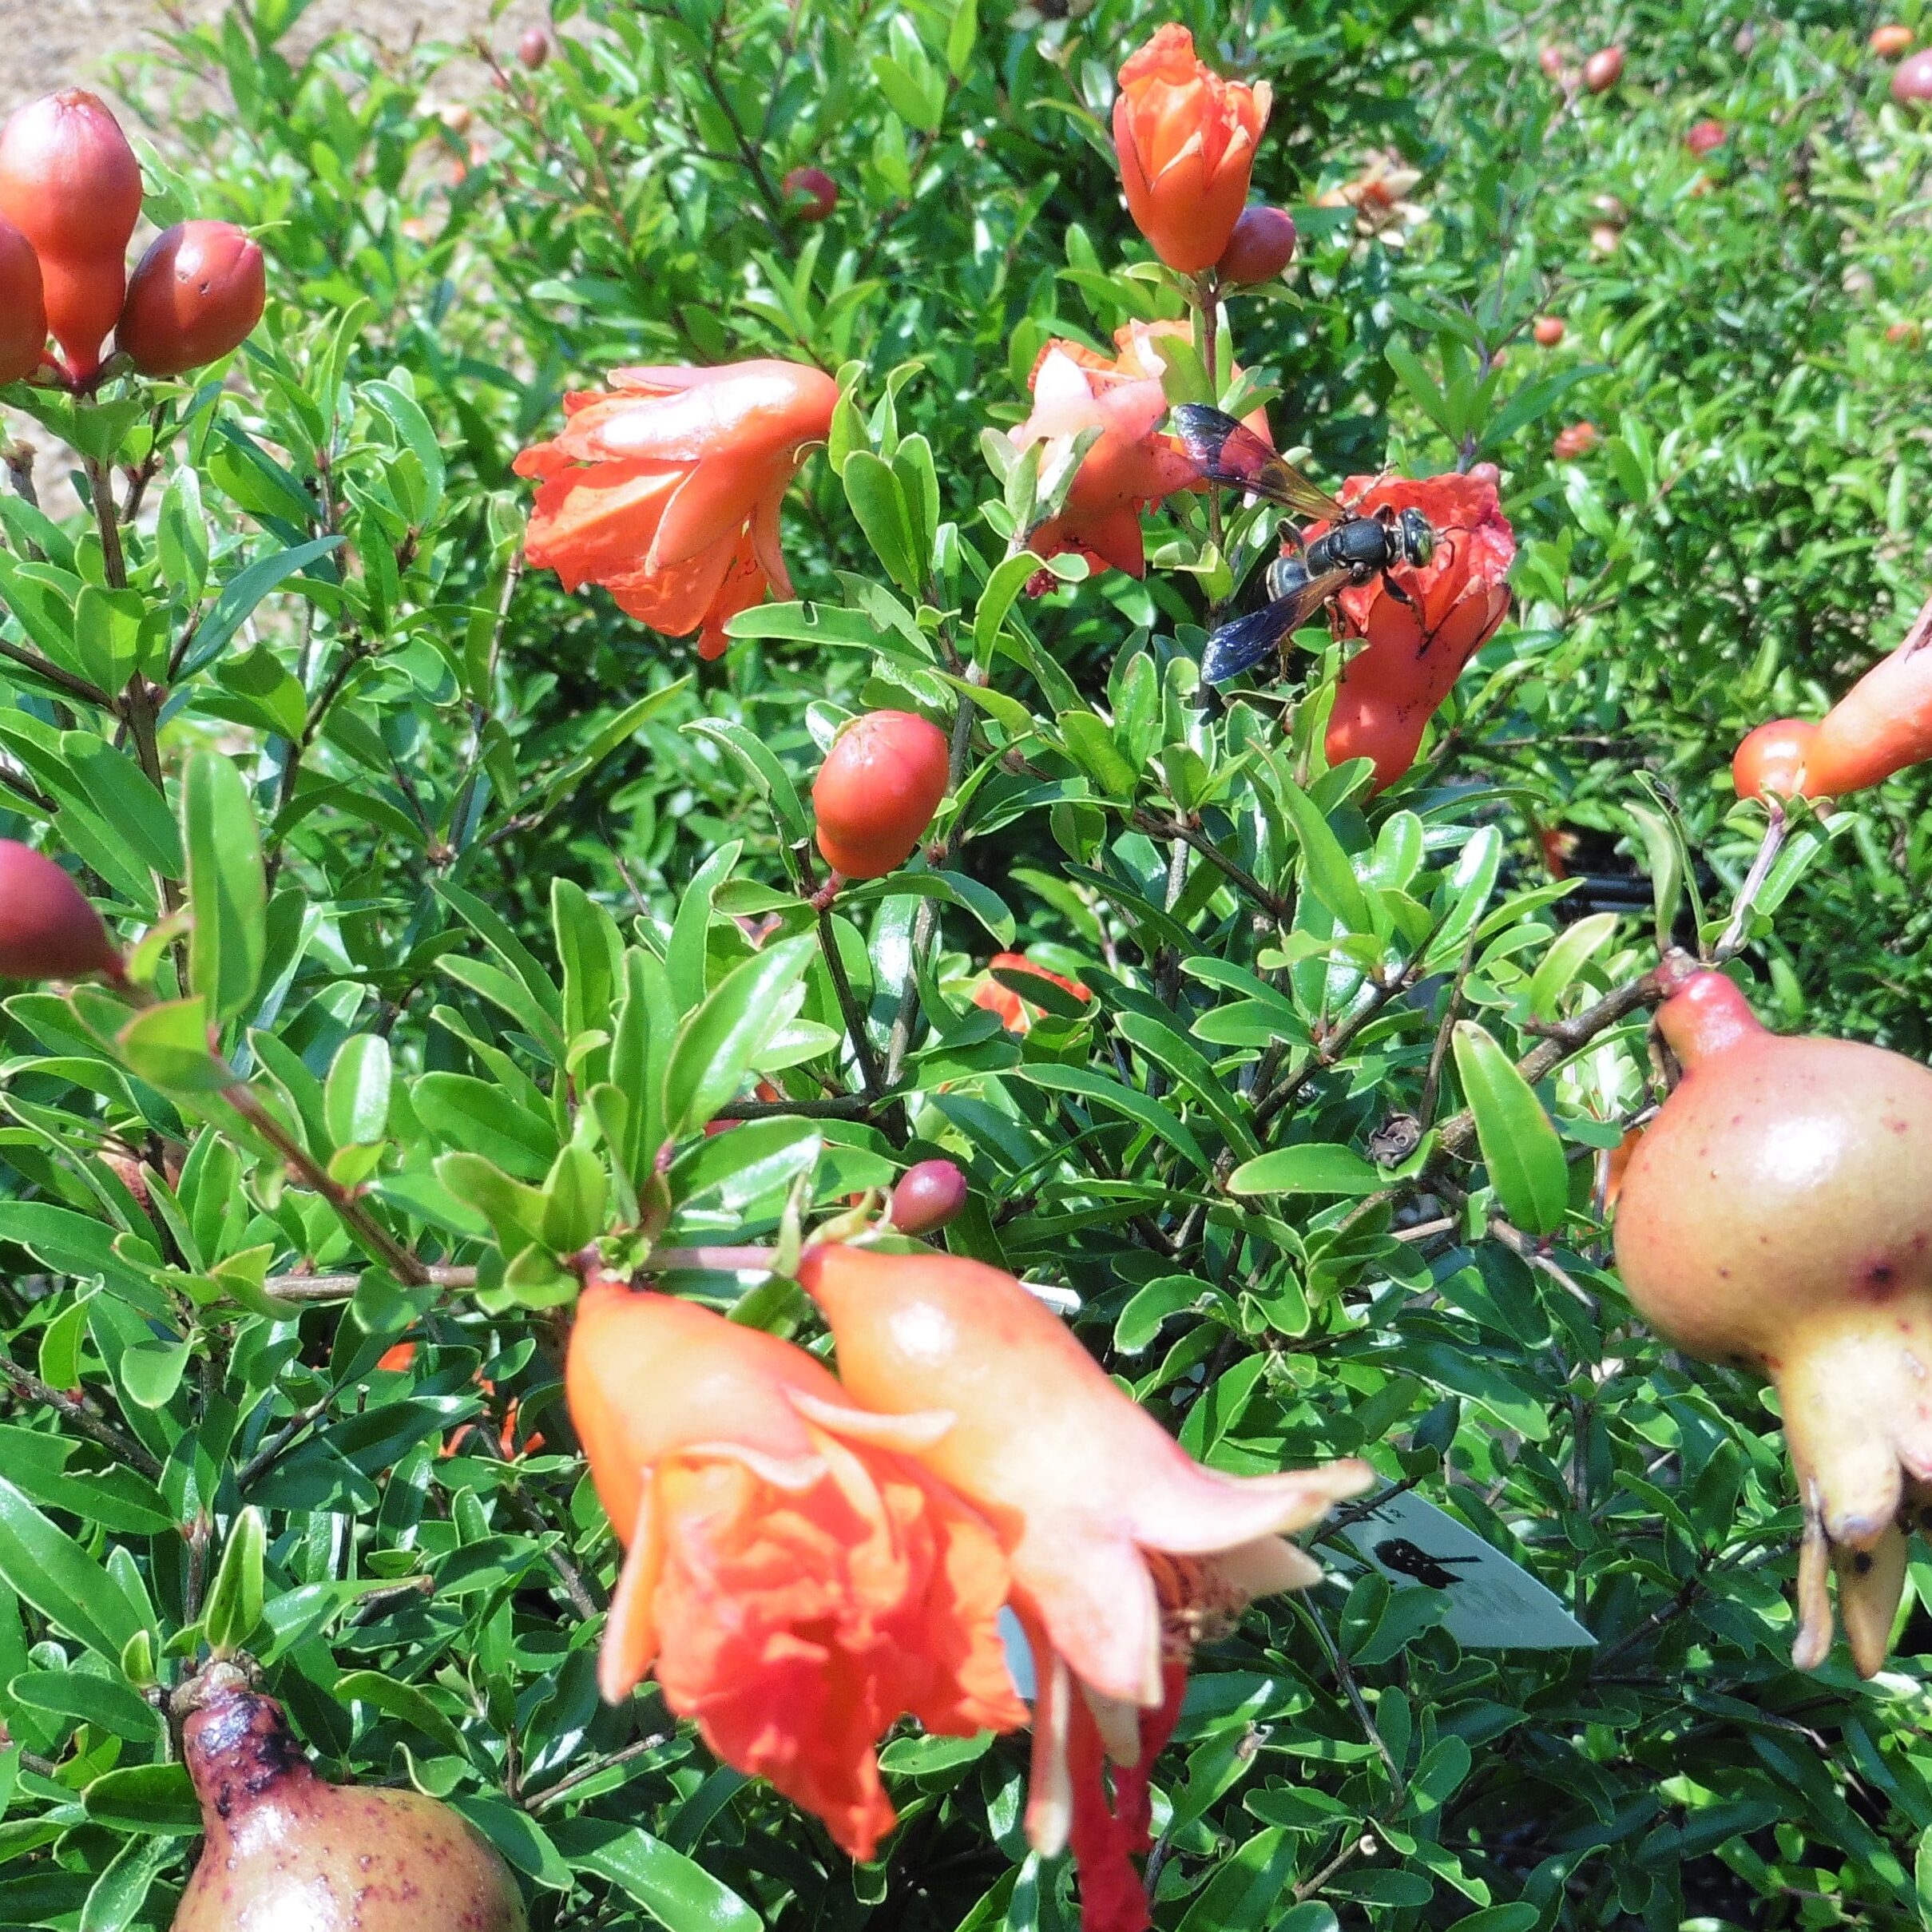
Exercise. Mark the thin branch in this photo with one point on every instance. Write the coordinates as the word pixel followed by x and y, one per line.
pixel 869 1069
pixel 97 1428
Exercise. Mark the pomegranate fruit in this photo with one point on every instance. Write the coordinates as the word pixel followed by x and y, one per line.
pixel 23 308
pixel 47 929
pixel 1549 331
pixel 1881 725
pixel 877 792
pixel 929 1194
pixel 811 193
pixel 1603 69
pixel 1777 1214
pixel 1770 760
pixel 69 182
pixel 197 293
pixel 533 49
pixel 284 1851
pixel 1912 78
pixel 1706 136
pixel 1261 247
pixel 1577 440
pixel 1889 41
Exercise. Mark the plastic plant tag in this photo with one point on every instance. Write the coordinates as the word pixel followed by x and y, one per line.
pixel 1494 1603
pixel 1019 1657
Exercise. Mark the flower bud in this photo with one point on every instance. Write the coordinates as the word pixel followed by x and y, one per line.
pixel 48 931
pixel 198 292
pixel 1549 331
pixel 1706 137
pixel 533 49
pixel 929 1194
pixel 1261 247
pixel 69 182
pixel 1603 69
pixel 1912 79
pixel 23 308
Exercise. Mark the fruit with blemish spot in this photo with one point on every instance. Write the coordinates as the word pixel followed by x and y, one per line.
pixel 929 1193
pixel 197 293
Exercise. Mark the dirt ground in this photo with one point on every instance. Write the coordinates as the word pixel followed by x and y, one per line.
pixel 47 44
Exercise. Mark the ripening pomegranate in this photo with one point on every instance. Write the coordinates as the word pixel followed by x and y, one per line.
pixel 287 1853
pixel 1549 331
pixel 1261 247
pixel 929 1193
pixel 1912 79
pixel 1770 762
pixel 1603 69
pixel 1606 238
pixel 197 293
pixel 1889 41
pixel 23 308
pixel 877 792
pixel 1706 136
pixel 533 49
pixel 1550 58
pixel 1778 1213
pixel 811 193
pixel 47 929
pixel 69 182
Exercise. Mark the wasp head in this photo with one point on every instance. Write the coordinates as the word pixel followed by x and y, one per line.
pixel 1418 536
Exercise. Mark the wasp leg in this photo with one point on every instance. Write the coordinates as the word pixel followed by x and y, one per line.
pixel 1395 589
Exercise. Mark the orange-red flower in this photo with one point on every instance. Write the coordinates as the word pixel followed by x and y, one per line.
pixel 1123 1548
pixel 1186 141
pixel 795 1588
pixel 665 489
pixel 1414 651
pixel 1001 999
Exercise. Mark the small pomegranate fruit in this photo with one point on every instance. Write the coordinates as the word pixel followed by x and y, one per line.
pixel 1577 441
pixel 1603 69
pixel 929 1194
pixel 1912 79
pixel 533 49
pixel 877 792
pixel 1606 238
pixel 23 306
pixel 1881 725
pixel 286 1851
pixel 69 182
pixel 1908 334
pixel 1778 1213
pixel 1549 331
pixel 1771 761
pixel 1261 247
pixel 811 193
pixel 1889 41
pixel 1550 58
pixel 1706 136
pixel 197 293
pixel 47 929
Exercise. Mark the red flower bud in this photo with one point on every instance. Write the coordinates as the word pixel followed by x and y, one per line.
pixel 1603 69
pixel 1261 247
pixel 1578 440
pixel 877 792
pixel 69 182
pixel 47 929
pixel 928 1195
pixel 197 293
pixel 533 49
pixel 1889 41
pixel 1706 136
pixel 1549 331
pixel 23 308
pixel 811 193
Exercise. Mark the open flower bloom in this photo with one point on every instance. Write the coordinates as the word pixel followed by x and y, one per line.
pixel 1131 465
pixel 1414 651
pixel 666 488
pixel 997 997
pixel 1379 194
pixel 1123 1547
pixel 1186 141
pixel 795 1587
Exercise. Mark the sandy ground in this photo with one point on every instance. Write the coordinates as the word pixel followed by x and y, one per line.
pixel 45 43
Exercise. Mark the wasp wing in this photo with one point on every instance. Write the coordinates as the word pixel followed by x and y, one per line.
pixel 1227 453
pixel 1241 645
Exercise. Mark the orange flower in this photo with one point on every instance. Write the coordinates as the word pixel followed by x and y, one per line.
pixel 997 999
pixel 1416 650
pixel 666 489
pixel 795 1588
pixel 1124 1548
pixel 1186 142
pixel 1129 467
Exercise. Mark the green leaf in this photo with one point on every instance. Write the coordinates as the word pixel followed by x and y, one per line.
pixel 717 1046
pixel 355 1099
pixel 146 1798
pixel 238 597
pixel 234 1609
pixel 1520 1147
pixel 677 1892
pixel 167 1045
pixel 1330 875
pixel 879 504
pixel 45 1567
pixel 1312 1169
pixel 227 892
pixel 121 1889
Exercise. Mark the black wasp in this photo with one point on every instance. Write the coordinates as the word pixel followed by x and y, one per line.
pixel 1397 1552
pixel 1353 549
